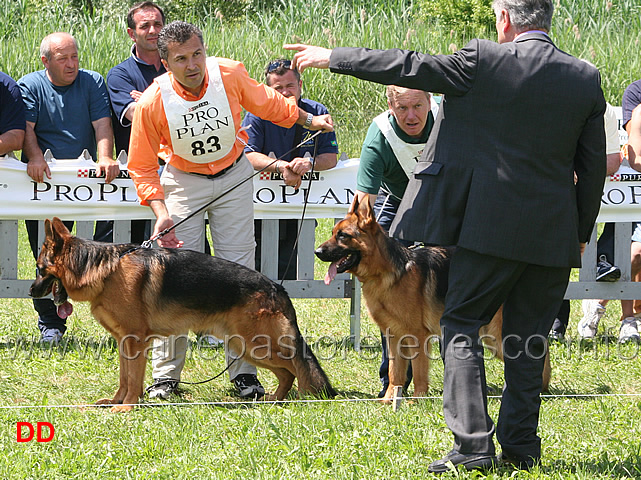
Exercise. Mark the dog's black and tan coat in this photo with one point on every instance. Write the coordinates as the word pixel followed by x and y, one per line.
pixel 404 290
pixel 137 294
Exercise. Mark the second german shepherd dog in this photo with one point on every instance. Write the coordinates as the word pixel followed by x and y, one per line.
pixel 138 293
pixel 404 290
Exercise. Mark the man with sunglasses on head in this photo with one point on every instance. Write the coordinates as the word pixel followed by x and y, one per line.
pixel 266 137
pixel 193 114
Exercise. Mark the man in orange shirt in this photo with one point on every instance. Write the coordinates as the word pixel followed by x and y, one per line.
pixel 190 116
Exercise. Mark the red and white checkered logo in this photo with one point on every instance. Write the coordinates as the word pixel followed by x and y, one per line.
pixel 615 177
pixel 83 173
pixel 264 176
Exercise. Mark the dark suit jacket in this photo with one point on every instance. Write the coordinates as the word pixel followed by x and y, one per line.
pixel 497 175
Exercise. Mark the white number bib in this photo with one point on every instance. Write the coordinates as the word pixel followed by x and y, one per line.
pixel 202 131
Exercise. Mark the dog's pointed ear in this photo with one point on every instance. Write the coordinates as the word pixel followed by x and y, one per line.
pixel 354 206
pixel 56 230
pixel 364 212
pixel 48 229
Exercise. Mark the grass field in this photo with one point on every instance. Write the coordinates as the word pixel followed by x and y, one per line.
pixel 589 424
pixel 589 421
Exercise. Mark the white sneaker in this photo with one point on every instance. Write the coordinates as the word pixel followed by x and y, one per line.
pixel 592 313
pixel 210 341
pixel 629 331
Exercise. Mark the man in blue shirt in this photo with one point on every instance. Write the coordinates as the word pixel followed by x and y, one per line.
pixel 127 80
pixel 266 138
pixel 12 119
pixel 67 111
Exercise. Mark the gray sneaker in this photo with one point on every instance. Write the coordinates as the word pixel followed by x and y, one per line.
pixel 629 331
pixel 162 389
pixel 51 335
pixel 592 313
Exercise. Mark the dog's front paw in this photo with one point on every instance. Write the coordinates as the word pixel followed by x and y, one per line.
pixel 121 408
pixel 270 397
pixel 105 401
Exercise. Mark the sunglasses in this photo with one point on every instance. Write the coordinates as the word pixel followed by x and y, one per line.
pixel 277 64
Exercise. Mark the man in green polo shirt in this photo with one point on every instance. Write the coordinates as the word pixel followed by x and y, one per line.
pixel 394 143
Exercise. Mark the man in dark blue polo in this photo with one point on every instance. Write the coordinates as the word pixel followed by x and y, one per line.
pixel 12 116
pixel 127 80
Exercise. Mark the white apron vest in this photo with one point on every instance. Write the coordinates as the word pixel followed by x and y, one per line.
pixel 202 131
pixel 407 154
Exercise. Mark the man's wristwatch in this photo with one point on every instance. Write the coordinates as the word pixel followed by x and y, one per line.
pixel 308 122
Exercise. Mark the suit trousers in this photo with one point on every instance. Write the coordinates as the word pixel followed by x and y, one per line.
pixel 231 223
pixel 531 295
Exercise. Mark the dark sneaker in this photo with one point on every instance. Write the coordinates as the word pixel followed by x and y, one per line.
pixel 162 389
pixel 606 272
pixel 518 463
pixel 557 332
pixel 555 336
pixel 248 386
pixel 472 461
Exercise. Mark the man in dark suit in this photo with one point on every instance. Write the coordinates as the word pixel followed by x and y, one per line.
pixel 497 179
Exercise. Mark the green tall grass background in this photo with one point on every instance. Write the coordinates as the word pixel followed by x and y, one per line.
pixel 589 425
pixel 606 33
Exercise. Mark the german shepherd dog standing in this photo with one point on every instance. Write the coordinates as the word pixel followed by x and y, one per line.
pixel 404 290
pixel 137 294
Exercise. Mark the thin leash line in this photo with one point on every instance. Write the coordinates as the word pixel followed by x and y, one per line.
pixel 148 243
pixel 305 198
pixel 311 401
pixel 171 380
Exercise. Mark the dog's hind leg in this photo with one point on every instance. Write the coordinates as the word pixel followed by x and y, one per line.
pixel 285 382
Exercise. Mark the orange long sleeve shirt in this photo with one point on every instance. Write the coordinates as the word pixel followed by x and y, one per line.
pixel 150 136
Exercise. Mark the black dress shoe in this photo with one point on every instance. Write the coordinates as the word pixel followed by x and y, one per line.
pixel 518 463
pixel 471 461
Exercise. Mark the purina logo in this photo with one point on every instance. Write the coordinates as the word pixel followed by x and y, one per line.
pixel 279 176
pixel 91 173
pixel 626 177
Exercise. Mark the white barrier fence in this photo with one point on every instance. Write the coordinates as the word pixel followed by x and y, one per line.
pixel 75 193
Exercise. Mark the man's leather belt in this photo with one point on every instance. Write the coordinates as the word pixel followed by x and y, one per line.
pixel 217 174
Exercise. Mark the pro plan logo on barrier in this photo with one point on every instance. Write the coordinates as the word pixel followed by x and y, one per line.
pixel 26 432
pixel 91 173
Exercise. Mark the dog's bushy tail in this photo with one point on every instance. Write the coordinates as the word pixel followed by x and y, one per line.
pixel 306 363
pixel 311 377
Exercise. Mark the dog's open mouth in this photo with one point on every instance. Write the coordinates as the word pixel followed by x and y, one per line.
pixel 341 266
pixel 60 299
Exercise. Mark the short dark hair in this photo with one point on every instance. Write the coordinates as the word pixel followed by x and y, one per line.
pixel 142 6
pixel 279 67
pixel 179 32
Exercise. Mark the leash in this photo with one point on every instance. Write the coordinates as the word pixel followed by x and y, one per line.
pixel 148 243
pixel 172 381
pixel 300 227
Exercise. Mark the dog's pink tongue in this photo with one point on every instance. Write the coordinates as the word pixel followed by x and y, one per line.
pixel 331 273
pixel 65 310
